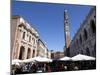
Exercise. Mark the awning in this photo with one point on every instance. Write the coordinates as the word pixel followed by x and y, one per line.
pixel 82 57
pixel 65 58
pixel 42 59
pixel 16 61
pixel 29 60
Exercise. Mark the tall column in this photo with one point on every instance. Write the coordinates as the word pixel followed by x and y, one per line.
pixel 20 34
pixel 18 51
pixel 66 33
pixel 19 42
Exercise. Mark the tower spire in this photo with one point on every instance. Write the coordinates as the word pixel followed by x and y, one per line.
pixel 66 33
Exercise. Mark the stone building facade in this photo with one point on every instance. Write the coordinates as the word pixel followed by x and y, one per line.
pixel 84 41
pixel 24 40
pixel 42 49
pixel 49 54
pixel 57 55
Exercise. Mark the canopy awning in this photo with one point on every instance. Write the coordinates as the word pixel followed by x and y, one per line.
pixel 16 61
pixel 82 57
pixel 29 60
pixel 65 58
pixel 42 59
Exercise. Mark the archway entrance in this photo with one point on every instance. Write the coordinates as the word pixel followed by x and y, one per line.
pixel 29 53
pixel 33 53
pixel 22 51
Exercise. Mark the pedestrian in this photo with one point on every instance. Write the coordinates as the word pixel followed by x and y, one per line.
pixel 33 68
pixel 76 68
pixel 65 67
pixel 49 69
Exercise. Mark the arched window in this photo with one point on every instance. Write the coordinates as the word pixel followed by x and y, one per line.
pixel 30 39
pixel 87 51
pixel 23 35
pixel 28 53
pixel 80 39
pixel 93 26
pixel 33 40
pixel 85 34
pixel 22 51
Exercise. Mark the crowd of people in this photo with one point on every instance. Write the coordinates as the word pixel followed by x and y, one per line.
pixel 54 66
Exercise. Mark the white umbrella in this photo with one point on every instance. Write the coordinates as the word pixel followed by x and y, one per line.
pixel 65 58
pixel 82 57
pixel 42 59
pixel 29 60
pixel 16 61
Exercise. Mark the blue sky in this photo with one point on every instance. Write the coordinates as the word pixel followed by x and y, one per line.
pixel 48 19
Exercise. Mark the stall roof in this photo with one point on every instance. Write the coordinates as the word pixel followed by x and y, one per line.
pixel 65 58
pixel 82 57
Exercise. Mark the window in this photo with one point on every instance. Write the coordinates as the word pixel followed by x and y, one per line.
pixel 85 34
pixel 87 51
pixel 33 41
pixel 80 39
pixel 23 35
pixel 30 39
pixel 93 26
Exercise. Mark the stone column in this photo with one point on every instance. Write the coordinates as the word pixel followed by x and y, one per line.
pixel 26 51
pixel 17 55
pixel 19 41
